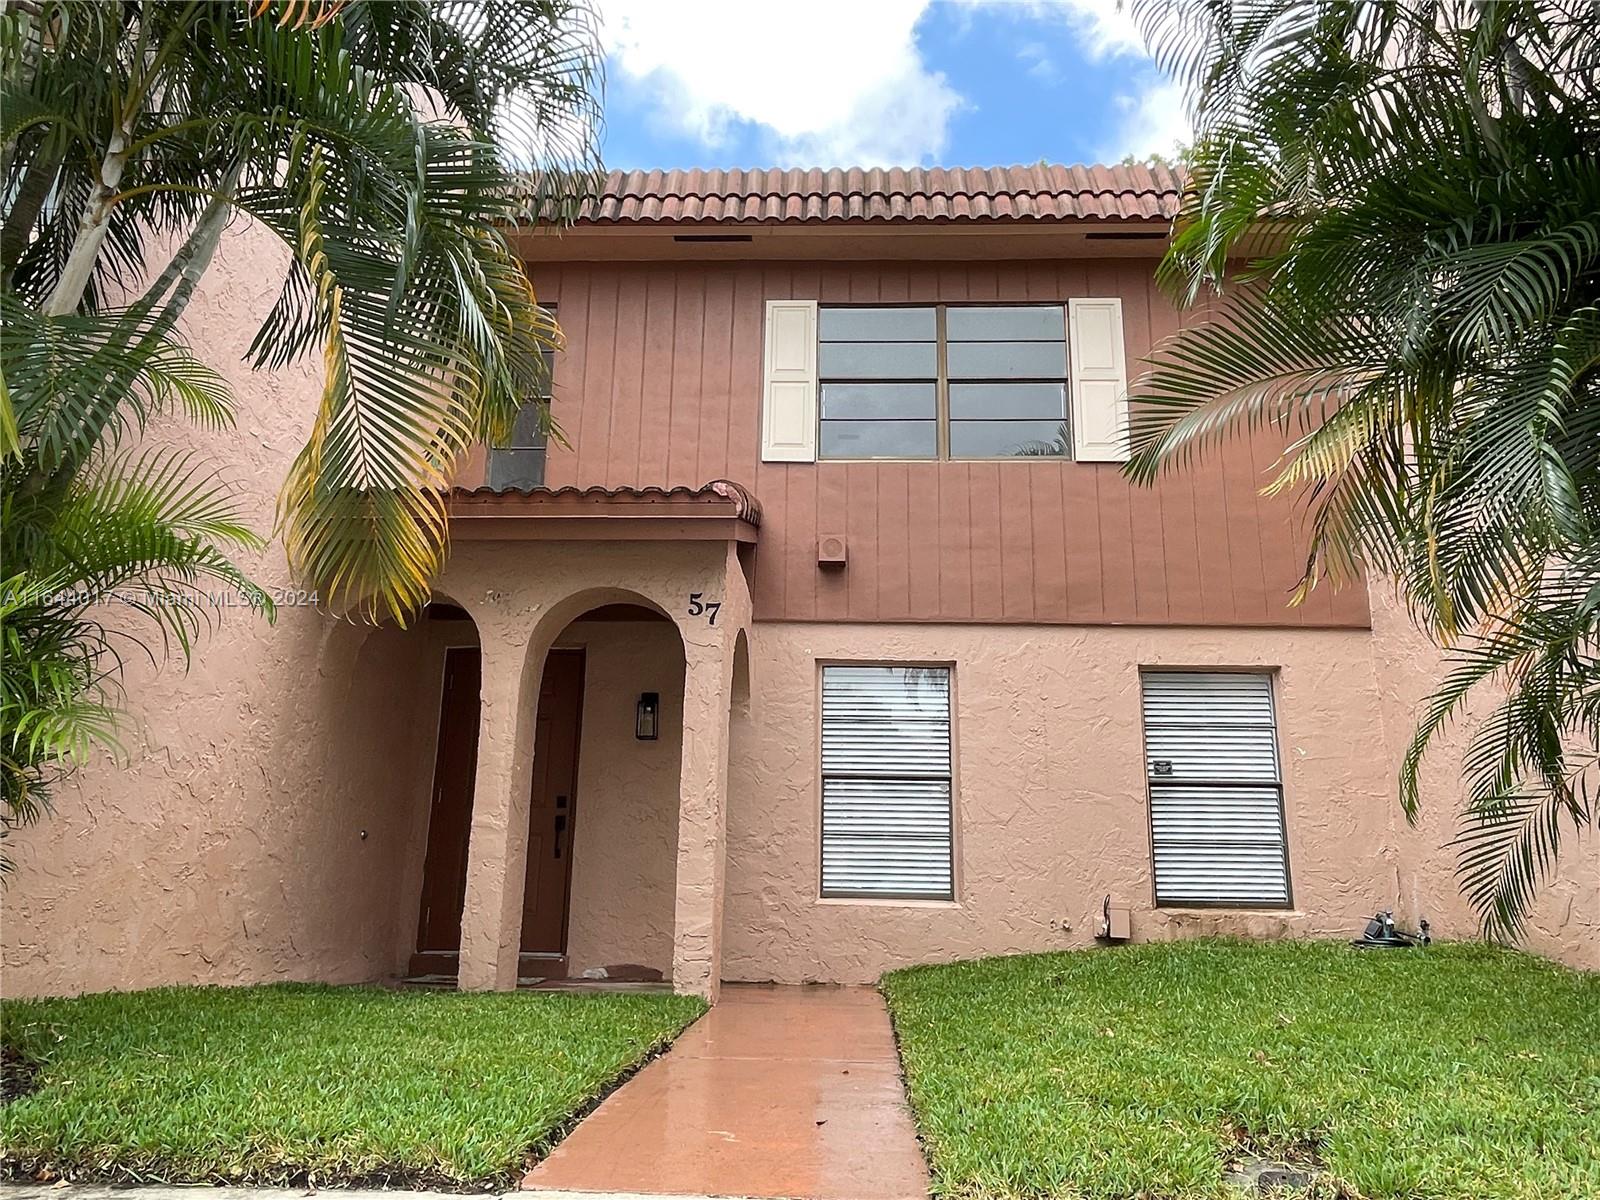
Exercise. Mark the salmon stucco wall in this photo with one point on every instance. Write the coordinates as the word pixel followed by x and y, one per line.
pixel 259 826
pixel 523 594
pixel 1051 808
pixel 269 820
pixel 1564 923
pixel 625 831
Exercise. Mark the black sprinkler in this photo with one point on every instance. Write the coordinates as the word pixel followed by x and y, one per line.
pixel 1382 934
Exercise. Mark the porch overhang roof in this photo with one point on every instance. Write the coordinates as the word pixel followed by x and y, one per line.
pixel 720 511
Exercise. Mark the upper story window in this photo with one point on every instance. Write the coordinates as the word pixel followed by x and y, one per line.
pixel 943 381
pixel 520 463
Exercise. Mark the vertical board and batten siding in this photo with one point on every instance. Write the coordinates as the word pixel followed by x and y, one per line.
pixel 886 816
pixel 1216 800
pixel 662 383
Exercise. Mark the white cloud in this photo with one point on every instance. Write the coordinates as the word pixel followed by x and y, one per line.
pixel 1149 109
pixel 827 82
pixel 1154 121
pixel 1105 29
pixel 1036 58
pixel 1101 27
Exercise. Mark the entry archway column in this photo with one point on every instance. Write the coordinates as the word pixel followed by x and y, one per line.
pixel 497 847
pixel 709 650
pixel 702 813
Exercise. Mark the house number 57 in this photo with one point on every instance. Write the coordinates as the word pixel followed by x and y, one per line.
pixel 707 608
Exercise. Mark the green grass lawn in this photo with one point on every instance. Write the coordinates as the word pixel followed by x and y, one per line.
pixel 1140 1071
pixel 272 1084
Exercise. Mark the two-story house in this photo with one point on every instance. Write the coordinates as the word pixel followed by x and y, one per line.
pixel 828 637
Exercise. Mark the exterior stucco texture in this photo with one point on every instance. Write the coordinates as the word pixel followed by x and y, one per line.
pixel 190 866
pixel 270 818
pixel 625 837
pixel 1051 807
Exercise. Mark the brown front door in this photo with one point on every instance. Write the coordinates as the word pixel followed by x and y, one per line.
pixel 553 810
pixel 444 869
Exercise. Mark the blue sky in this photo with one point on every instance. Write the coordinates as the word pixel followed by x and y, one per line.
pixel 720 83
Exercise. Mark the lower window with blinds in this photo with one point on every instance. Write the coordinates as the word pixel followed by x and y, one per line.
pixel 1216 792
pixel 886 816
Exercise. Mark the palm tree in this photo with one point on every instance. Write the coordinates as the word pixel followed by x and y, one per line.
pixel 389 143
pixel 1399 204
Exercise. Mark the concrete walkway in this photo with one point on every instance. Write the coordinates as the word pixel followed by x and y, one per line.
pixel 789 1092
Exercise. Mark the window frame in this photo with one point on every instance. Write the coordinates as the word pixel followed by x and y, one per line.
pixel 1271 675
pixel 941 382
pixel 548 400
pixel 903 899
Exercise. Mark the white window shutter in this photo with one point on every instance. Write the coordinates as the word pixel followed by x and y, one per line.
pixel 1099 381
pixel 789 398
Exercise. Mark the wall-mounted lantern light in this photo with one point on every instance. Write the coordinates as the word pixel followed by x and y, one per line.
pixel 647 718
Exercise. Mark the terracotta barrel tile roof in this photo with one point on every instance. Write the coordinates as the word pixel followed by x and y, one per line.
pixel 721 496
pixel 1042 192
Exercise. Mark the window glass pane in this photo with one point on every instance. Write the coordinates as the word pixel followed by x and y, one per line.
pixel 516 469
pixel 549 356
pixel 865 401
pixel 876 325
pixel 1007 439
pixel 1009 324
pixel 1008 401
pixel 1007 360
pixel 877 360
pixel 525 431
pixel 880 439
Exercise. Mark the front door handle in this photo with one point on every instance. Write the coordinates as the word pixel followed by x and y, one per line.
pixel 561 826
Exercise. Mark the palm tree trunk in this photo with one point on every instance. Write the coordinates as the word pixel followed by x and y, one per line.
pixel 92 226
pixel 182 273
pixel 37 180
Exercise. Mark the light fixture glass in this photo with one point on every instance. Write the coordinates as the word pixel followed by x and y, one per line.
pixel 647 717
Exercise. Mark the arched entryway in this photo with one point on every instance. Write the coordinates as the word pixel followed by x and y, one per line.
pixel 599 889
pixel 531 566
pixel 598 896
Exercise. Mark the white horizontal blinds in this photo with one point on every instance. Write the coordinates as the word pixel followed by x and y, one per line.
pixel 1099 373
pixel 886 782
pixel 789 393
pixel 1216 798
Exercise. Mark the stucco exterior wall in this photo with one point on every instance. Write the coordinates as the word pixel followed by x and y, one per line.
pixel 1565 921
pixel 269 821
pixel 522 594
pixel 1051 807
pixel 240 844
pixel 228 846
pixel 625 839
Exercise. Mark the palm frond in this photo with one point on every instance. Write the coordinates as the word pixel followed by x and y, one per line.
pixel 1398 206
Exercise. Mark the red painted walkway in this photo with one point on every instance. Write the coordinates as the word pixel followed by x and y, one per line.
pixel 788 1092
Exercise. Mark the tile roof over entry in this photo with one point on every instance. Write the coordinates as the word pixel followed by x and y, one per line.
pixel 719 509
pixel 1042 192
